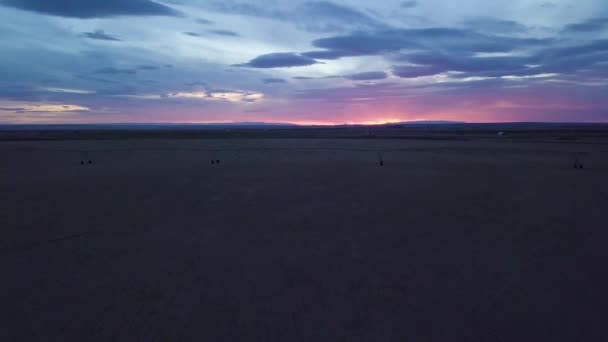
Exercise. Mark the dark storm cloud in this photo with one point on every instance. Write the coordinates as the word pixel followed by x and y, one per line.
pixel 591 25
pixel 279 60
pixel 91 8
pixel 224 33
pixel 367 76
pixel 273 80
pixel 495 25
pixel 100 35
pixel 115 71
pixel 409 4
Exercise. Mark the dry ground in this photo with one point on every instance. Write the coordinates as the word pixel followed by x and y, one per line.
pixel 303 240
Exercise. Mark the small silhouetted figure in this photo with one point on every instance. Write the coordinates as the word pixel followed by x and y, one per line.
pixel 577 164
pixel 380 159
pixel 212 161
pixel 84 158
pixel 217 161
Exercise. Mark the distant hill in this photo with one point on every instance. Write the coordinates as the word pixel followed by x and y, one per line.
pixel 428 122
pixel 141 126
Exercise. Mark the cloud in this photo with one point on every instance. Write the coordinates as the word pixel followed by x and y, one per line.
pixel 386 41
pixel 224 33
pixel 548 5
pixel 115 71
pixel 148 67
pixel 591 25
pixel 461 41
pixel 407 71
pixel 273 80
pixel 548 61
pixel 218 95
pixel 492 25
pixel 279 60
pixel 100 35
pixel 409 4
pixel 581 51
pixel 431 63
pixel 204 21
pixel 66 90
pixel 367 76
pixel 314 16
pixel 45 108
pixel 326 16
pixel 331 54
pixel 364 43
pixel 247 9
pixel 92 8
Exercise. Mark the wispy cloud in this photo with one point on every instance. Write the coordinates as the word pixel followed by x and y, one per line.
pixel 218 95
pixel 66 90
pixel 273 80
pixel 409 4
pixel 116 71
pixel 224 33
pixel 100 35
pixel 17 107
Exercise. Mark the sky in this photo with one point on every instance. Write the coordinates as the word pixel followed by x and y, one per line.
pixel 305 62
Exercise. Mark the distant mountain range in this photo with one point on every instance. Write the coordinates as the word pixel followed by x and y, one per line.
pixel 264 125
pixel 427 122
pixel 177 126
pixel 141 126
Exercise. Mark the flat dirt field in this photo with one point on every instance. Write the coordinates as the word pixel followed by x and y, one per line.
pixel 303 240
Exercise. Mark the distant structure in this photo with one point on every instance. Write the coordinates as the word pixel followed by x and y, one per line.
pixel 84 158
pixel 380 159
pixel 577 163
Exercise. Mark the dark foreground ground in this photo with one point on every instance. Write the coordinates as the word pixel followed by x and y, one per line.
pixel 303 240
